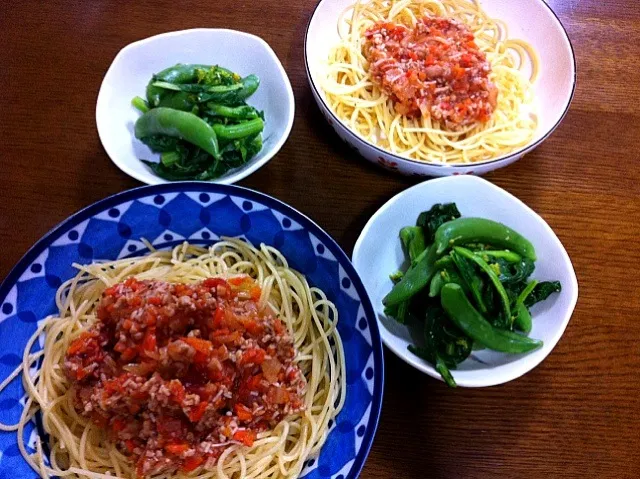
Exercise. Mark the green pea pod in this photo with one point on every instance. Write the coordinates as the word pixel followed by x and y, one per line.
pixel 507 255
pixel 480 230
pixel 235 132
pixel 180 73
pixel 412 238
pixel 243 112
pixel 178 124
pixel 493 277
pixel 523 320
pixel 471 279
pixel 178 101
pixel 416 278
pixel 249 83
pixel 177 75
pixel 471 322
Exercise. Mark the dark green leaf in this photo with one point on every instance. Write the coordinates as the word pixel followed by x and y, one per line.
pixel 542 291
pixel 431 220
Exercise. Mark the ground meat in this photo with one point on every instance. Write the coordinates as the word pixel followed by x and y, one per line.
pixel 434 69
pixel 176 373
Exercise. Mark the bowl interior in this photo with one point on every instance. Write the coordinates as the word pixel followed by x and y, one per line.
pixel 378 253
pixel 135 64
pixel 529 20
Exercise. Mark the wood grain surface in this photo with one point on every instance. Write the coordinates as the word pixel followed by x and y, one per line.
pixel 576 415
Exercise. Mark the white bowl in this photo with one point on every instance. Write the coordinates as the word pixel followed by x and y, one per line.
pixel 134 65
pixel 530 20
pixel 378 253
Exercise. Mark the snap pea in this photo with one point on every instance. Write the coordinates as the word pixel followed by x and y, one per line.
pixel 234 132
pixel 493 277
pixel 416 278
pixel 480 230
pixel 243 112
pixel 462 313
pixel 412 238
pixel 507 255
pixel 442 277
pixel 178 124
pixel 249 85
pixel 181 100
pixel 180 73
pixel 523 320
pixel 140 104
pixel 176 75
pixel 471 279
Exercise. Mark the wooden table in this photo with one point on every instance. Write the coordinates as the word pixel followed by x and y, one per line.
pixel 576 415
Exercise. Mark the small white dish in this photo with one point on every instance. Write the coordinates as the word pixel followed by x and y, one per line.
pixel 378 253
pixel 530 20
pixel 134 65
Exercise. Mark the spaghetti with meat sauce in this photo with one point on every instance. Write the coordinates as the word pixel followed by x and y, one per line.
pixel 178 372
pixel 434 68
pixel 436 81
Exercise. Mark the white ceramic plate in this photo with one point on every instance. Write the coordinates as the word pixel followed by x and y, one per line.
pixel 530 20
pixel 134 65
pixel 378 253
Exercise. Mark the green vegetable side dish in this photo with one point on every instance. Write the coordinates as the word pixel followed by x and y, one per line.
pixel 197 118
pixel 465 286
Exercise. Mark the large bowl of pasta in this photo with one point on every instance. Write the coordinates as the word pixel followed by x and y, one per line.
pixel 187 330
pixel 440 87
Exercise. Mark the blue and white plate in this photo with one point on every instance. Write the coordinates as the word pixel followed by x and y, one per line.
pixel 199 212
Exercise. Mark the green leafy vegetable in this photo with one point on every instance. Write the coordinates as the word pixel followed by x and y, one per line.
pixel 439 214
pixel 542 291
pixel 196 117
pixel 467 285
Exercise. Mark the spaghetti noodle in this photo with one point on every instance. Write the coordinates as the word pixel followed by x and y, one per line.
pixel 80 448
pixel 353 91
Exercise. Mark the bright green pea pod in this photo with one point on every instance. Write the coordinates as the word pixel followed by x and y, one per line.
pixel 177 74
pixel 178 124
pixel 235 132
pixel 416 278
pixel 523 320
pixel 504 298
pixel 480 230
pixel 471 322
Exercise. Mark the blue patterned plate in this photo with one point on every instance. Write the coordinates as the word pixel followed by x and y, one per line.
pixel 199 212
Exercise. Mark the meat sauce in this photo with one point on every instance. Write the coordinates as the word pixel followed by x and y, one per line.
pixel 433 69
pixel 176 373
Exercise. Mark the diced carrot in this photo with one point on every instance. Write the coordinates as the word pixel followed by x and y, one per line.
pixel 253 356
pixel 177 390
pixel 197 412
pixel 149 341
pixel 128 354
pixel 203 349
pixel 243 412
pixel 245 436
pixel 238 280
pixel 278 326
pixel 218 318
pixel 155 300
pixel 255 292
pixel 80 343
pixel 192 462
pixel 253 327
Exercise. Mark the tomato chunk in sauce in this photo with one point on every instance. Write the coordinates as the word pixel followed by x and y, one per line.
pixel 178 372
pixel 433 69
